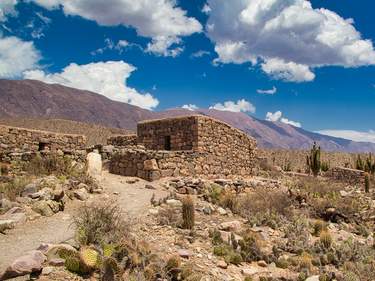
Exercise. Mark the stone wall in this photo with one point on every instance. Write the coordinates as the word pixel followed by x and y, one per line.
pixel 122 140
pixel 152 165
pixel 15 143
pixel 347 175
pixel 232 149
pixel 179 133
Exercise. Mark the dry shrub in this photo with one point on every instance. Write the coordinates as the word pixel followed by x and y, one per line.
pixel 100 223
pixel 48 165
pixel 229 200
pixel 168 216
pixel 264 201
pixel 14 188
pixel 4 169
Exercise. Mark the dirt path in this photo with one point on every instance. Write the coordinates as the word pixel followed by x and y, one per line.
pixel 134 199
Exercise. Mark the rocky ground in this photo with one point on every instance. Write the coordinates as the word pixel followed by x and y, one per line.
pixel 274 226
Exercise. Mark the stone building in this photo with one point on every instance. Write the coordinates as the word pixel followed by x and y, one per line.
pixel 186 146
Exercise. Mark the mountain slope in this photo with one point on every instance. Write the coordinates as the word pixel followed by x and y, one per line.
pixel 29 98
pixel 34 99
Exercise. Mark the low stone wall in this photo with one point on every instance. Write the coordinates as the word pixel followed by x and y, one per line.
pixel 351 176
pixel 152 165
pixel 296 159
pixel 20 144
pixel 122 140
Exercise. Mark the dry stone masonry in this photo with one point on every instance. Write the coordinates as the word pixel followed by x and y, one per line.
pixel 16 143
pixel 122 140
pixel 186 146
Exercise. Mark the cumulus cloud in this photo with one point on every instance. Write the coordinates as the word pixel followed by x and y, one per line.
pixel 287 38
pixel 7 7
pixel 105 78
pixel 267 92
pixel 351 135
pixel 160 20
pixel 239 106
pixel 191 107
pixel 277 117
pixel 17 56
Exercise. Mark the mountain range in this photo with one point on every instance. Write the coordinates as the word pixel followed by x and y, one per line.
pixel 20 99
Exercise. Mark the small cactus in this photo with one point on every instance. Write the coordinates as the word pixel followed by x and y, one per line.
pixel 367 182
pixel 111 270
pixel 73 264
pixel 89 257
pixel 326 239
pixel 188 213
pixel 319 226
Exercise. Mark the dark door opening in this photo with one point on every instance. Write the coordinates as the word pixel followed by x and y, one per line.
pixel 167 143
pixel 42 146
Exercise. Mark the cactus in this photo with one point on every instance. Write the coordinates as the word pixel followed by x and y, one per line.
pixel 111 270
pixel 313 160
pixel 89 257
pixel 326 239
pixel 73 264
pixel 188 213
pixel 367 182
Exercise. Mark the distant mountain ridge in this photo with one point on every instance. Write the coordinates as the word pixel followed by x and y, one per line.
pixel 35 99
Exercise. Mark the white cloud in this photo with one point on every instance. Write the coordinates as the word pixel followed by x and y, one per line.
pixel 7 7
pixel 105 78
pixel 239 106
pixel 161 45
pixel 287 37
pixel 351 135
pixel 277 117
pixel 160 20
pixel 120 46
pixel 290 71
pixel 16 56
pixel 268 92
pixel 273 117
pixel 206 9
pixel 290 122
pixel 199 54
pixel 191 107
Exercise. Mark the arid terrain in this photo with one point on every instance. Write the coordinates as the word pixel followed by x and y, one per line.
pixel 59 222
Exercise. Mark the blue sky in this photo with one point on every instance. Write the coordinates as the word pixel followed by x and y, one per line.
pixel 310 64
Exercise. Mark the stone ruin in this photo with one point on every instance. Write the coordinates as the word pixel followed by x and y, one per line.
pixel 184 146
pixel 19 144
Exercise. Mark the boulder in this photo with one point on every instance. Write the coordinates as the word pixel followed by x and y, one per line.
pixel 6 224
pixel 230 226
pixel 94 164
pixel 150 165
pixel 29 189
pixel 183 253
pixel 81 194
pixel 26 264
pixel 174 203
pixel 43 208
